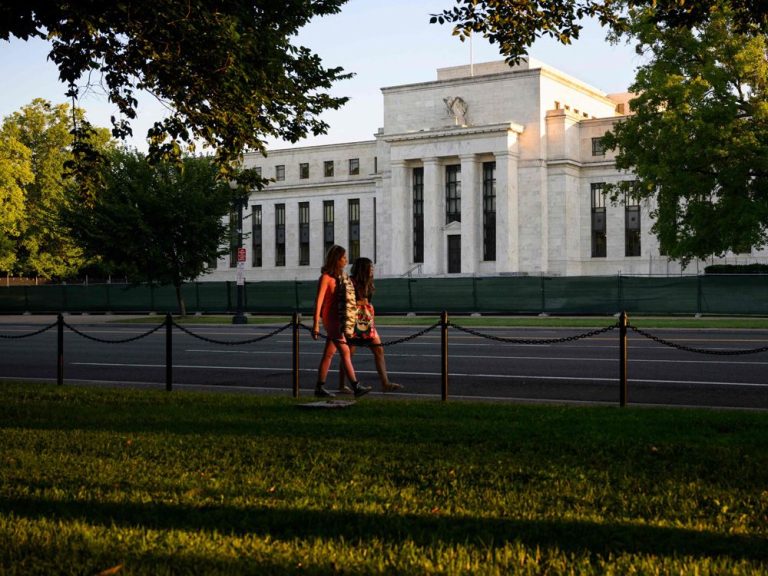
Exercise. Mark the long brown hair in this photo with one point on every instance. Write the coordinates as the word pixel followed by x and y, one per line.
pixel 332 258
pixel 362 277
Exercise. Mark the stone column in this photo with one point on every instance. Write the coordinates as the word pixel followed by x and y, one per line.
pixel 470 198
pixel 507 213
pixel 434 217
pixel 399 217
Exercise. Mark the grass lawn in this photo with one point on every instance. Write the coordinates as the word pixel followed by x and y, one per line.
pixel 147 482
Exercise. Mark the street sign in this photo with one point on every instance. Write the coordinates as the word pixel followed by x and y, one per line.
pixel 241 273
pixel 241 254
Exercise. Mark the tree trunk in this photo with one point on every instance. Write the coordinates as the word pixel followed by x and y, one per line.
pixel 180 300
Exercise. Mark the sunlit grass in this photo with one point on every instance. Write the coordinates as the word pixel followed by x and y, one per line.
pixel 177 483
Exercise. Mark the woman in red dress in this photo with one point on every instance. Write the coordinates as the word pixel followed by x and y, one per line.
pixel 331 290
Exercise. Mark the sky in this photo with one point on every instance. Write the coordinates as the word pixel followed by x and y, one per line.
pixel 383 43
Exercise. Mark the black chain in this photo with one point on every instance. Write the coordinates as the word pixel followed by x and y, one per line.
pixel 121 341
pixel 698 350
pixel 382 344
pixel 536 341
pixel 7 337
pixel 228 343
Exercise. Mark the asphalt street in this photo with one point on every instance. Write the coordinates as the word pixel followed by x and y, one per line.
pixel 579 370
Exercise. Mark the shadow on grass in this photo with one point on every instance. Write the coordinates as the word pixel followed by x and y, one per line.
pixel 286 523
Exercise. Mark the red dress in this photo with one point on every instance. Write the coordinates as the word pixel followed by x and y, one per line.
pixel 327 306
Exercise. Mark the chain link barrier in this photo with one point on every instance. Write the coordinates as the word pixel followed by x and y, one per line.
pixel 362 343
pixel 697 350
pixel 230 343
pixel 35 333
pixel 506 340
pixel 107 341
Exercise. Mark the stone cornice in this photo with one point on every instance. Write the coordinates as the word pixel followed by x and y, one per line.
pixel 450 132
pixel 270 188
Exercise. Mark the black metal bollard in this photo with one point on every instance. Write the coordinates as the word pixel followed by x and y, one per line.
pixel 296 320
pixel 168 352
pixel 60 349
pixel 623 322
pixel 444 353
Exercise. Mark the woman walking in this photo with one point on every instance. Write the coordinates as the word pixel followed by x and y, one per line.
pixel 362 279
pixel 330 305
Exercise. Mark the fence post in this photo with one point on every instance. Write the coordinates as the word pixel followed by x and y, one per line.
pixel 168 351
pixel 623 322
pixel 60 349
pixel 444 353
pixel 296 320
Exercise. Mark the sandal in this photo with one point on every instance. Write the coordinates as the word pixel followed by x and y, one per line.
pixel 392 387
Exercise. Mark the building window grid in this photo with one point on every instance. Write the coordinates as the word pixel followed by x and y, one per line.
pixel 354 166
pixel 489 211
pixel 280 172
pixel 599 239
pixel 328 168
pixel 418 215
pixel 256 257
pixel 304 170
pixel 353 208
pixel 279 234
pixel 303 233
pixel 597 147
pixel 453 193
pixel 235 236
pixel 631 226
pixel 328 225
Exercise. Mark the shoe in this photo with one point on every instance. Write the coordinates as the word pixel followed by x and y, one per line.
pixel 321 392
pixel 359 389
pixel 345 390
pixel 392 387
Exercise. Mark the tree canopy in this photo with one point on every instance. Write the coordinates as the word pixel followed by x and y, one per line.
pixel 514 26
pixel 160 223
pixel 35 147
pixel 229 71
pixel 697 141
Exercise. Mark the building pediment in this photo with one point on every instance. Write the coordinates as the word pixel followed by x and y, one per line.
pixel 461 131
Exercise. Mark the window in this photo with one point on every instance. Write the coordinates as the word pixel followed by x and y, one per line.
pixel 279 234
pixel 235 233
pixel 418 215
pixel 452 193
pixel 597 147
pixel 631 226
pixel 375 164
pixel 304 170
pixel 256 236
pixel 489 211
pixel 354 166
pixel 599 245
pixel 280 172
pixel 328 224
pixel 354 229
pixel 303 233
pixel 328 168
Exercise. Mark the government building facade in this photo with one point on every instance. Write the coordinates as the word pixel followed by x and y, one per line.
pixel 487 170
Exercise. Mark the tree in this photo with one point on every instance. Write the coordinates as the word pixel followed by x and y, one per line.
pixel 228 70
pixel 160 223
pixel 15 175
pixel 36 144
pixel 514 26
pixel 698 137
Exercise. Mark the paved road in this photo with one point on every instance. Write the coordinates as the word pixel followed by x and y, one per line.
pixel 582 370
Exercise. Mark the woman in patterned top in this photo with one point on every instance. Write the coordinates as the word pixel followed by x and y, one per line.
pixel 329 304
pixel 362 279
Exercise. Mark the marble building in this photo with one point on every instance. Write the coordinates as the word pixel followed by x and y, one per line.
pixel 487 170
